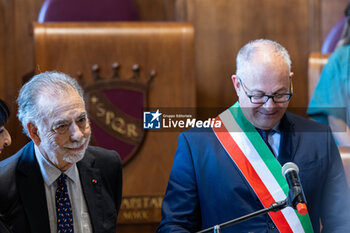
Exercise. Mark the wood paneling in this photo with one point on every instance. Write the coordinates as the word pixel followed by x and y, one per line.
pixel 2 54
pixel 323 15
pixel 224 27
pixel 17 51
pixel 221 27
pixel 151 10
pixel 16 57
pixel 331 12
pixel 316 64
pixel 345 155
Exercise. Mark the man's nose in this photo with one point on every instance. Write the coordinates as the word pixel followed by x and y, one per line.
pixel 270 103
pixel 7 141
pixel 76 132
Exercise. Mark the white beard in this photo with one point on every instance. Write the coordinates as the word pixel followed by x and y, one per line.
pixel 74 158
pixel 53 150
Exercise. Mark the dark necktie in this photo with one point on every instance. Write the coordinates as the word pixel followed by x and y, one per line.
pixel 63 207
pixel 265 136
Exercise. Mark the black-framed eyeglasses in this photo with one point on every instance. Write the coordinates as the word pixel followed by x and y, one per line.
pixel 261 99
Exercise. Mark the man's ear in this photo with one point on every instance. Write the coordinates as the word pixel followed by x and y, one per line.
pixel 236 83
pixel 291 75
pixel 33 133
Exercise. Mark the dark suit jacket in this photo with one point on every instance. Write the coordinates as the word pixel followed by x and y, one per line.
pixel 22 191
pixel 3 227
pixel 206 188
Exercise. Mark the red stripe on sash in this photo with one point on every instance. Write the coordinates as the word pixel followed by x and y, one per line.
pixel 251 176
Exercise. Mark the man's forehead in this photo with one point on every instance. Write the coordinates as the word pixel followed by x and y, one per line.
pixel 267 61
pixel 266 55
pixel 61 105
pixel 58 97
pixel 68 116
pixel 261 74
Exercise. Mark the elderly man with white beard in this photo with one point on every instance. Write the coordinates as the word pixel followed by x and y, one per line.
pixel 57 183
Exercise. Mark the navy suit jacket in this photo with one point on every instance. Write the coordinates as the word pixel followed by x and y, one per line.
pixel 22 192
pixel 206 188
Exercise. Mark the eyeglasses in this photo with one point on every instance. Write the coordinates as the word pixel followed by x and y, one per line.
pixel 261 99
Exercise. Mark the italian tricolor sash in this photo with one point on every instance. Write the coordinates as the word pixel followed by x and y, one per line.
pixel 261 169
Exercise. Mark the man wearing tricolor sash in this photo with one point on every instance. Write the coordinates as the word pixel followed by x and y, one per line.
pixel 235 169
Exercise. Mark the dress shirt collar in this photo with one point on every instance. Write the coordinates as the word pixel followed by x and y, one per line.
pixel 50 173
pixel 276 128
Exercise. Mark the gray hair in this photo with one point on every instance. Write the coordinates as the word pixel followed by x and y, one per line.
pixel 40 84
pixel 247 51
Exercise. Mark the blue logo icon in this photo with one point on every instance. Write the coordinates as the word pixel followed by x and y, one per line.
pixel 151 120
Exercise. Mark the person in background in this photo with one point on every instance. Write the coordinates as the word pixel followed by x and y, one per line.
pixel 331 98
pixel 234 168
pixel 5 137
pixel 5 140
pixel 57 183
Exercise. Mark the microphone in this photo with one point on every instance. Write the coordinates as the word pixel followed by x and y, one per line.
pixel 296 197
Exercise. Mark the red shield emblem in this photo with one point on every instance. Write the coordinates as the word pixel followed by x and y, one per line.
pixel 115 109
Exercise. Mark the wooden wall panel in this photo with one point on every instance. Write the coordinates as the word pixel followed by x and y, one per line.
pixel 2 54
pixel 16 57
pixel 17 51
pixel 222 28
pixel 345 155
pixel 151 10
pixel 316 63
pixel 331 12
pixel 323 15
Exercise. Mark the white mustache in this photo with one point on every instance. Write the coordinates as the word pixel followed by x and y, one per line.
pixel 75 145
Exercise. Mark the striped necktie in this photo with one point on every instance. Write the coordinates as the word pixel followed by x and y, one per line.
pixel 63 207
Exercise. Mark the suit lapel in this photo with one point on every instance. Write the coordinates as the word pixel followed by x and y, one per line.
pixel 32 191
pixel 91 182
pixel 289 140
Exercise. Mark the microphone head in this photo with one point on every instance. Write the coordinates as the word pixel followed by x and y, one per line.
pixel 289 167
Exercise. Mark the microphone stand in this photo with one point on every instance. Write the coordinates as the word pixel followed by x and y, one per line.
pixel 277 206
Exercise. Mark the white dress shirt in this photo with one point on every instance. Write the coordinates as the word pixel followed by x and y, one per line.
pixel 81 218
